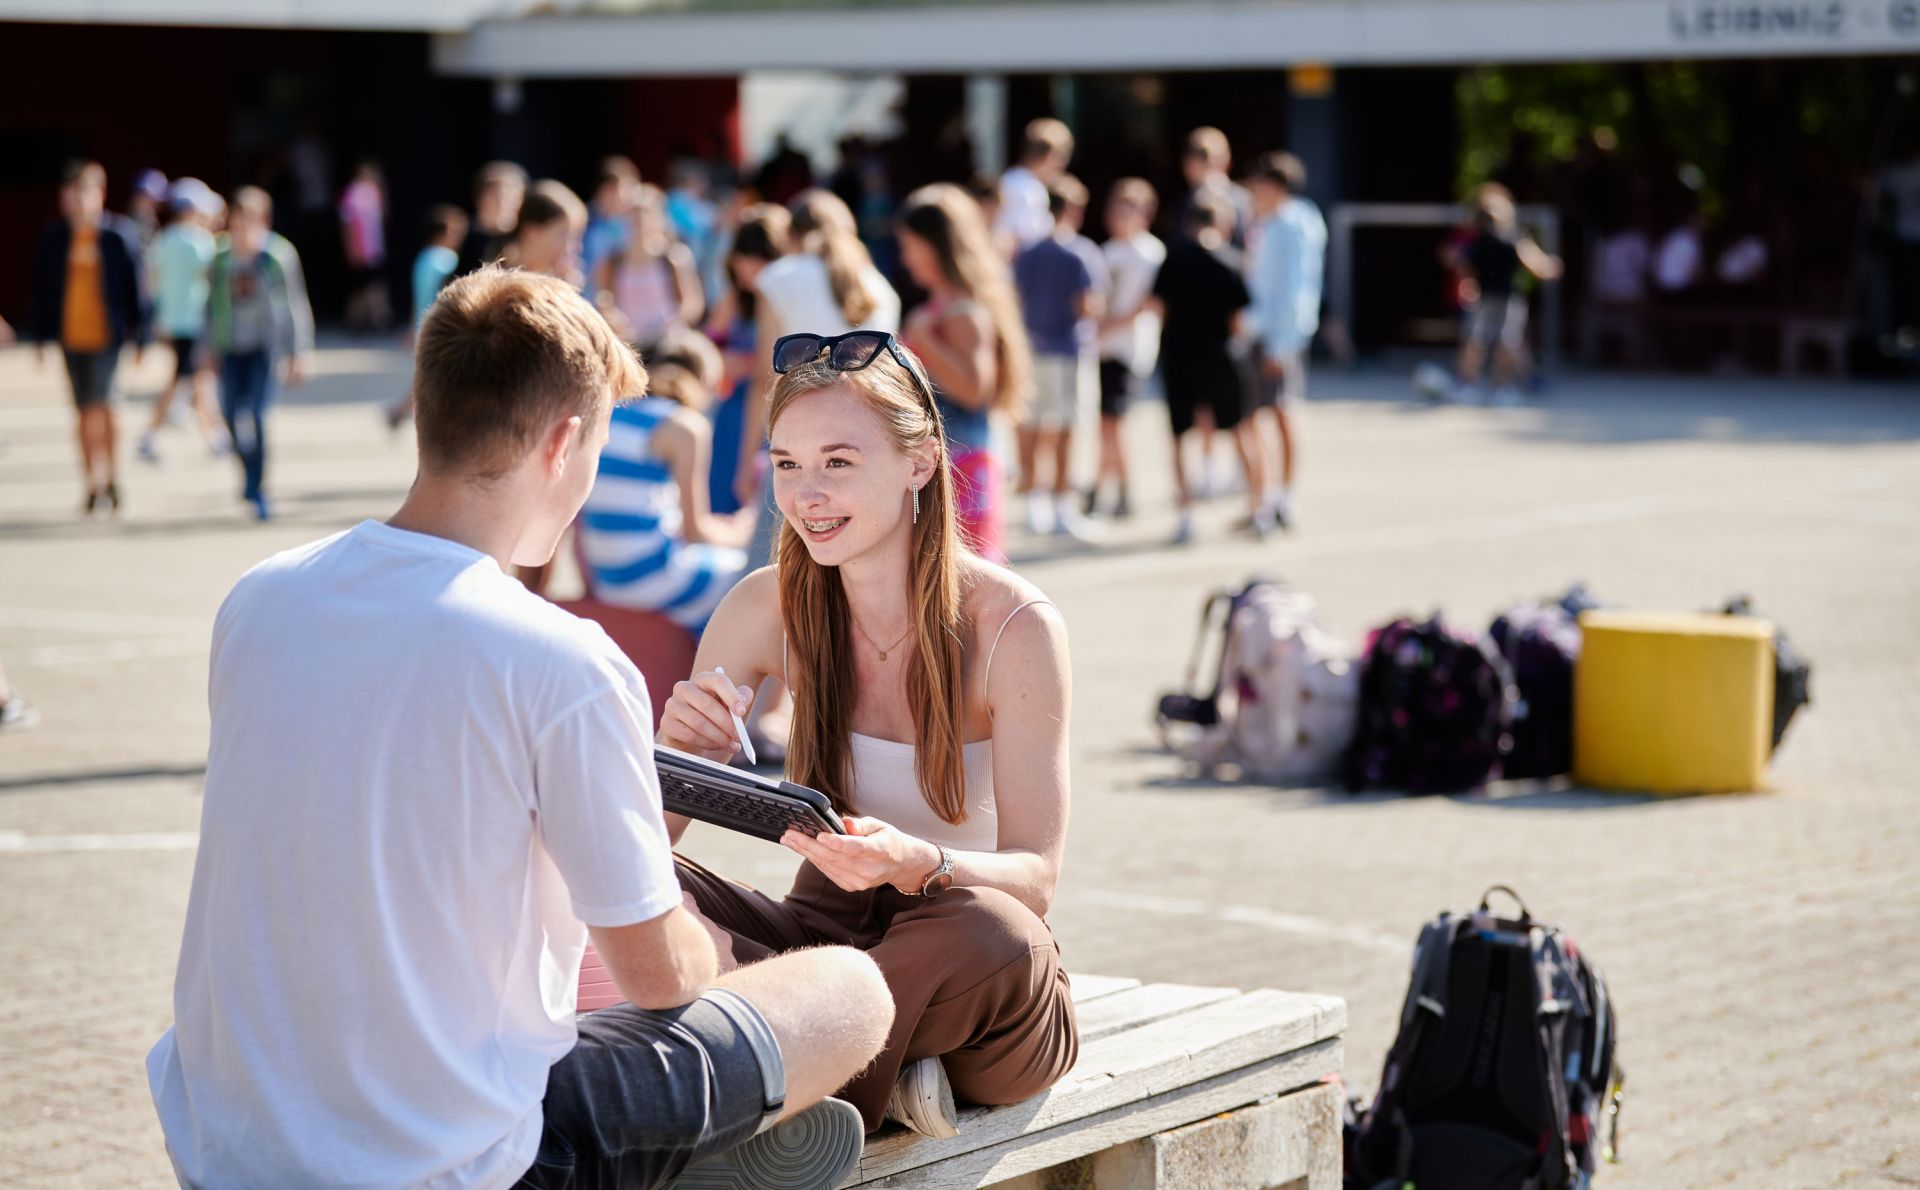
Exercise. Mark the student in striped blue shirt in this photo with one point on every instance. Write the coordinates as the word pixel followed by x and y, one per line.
pixel 649 538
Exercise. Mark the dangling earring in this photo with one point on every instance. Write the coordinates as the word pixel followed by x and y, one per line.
pixel 916 506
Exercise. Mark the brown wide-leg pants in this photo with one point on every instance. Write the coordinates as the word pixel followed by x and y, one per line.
pixel 975 975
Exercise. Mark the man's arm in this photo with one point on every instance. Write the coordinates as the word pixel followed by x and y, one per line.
pixel 139 311
pixel 1277 297
pixel 297 307
pixel 1537 261
pixel 662 963
pixel 598 811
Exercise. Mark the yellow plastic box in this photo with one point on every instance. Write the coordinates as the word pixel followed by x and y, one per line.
pixel 1668 703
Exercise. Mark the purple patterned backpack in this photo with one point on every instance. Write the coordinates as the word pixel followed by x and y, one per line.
pixel 1541 642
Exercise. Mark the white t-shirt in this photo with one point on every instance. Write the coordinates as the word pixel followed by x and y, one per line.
pixel 422 779
pixel 1620 267
pixel 1676 264
pixel 1133 264
pixel 799 293
pixel 1743 262
pixel 1023 207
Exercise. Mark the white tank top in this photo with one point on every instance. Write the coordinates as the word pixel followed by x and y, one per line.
pixel 886 787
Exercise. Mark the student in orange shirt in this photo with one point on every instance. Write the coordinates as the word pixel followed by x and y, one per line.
pixel 89 297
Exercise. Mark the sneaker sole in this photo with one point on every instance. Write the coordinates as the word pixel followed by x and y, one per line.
pixel 815 1150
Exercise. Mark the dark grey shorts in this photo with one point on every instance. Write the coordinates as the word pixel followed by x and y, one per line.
pixel 1285 390
pixel 91 374
pixel 644 1093
pixel 1499 320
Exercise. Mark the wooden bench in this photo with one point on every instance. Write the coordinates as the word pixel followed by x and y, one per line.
pixel 1177 1087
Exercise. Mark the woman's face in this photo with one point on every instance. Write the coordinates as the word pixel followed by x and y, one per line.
pixel 838 477
pixel 650 233
pixel 248 233
pixel 746 271
pixel 920 260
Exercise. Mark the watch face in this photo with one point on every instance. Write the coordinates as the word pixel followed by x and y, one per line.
pixel 939 884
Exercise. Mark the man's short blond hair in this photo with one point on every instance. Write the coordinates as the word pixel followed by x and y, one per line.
pixel 252 200
pixel 1045 137
pixel 501 356
pixel 1210 144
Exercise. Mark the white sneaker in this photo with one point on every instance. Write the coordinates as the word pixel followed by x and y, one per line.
pixel 149 451
pixel 1283 508
pixel 17 714
pixel 219 446
pixel 923 1100
pixel 1040 518
pixel 1183 529
pixel 1067 522
pixel 1507 398
pixel 1227 478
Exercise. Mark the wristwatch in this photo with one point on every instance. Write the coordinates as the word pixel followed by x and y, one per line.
pixel 941 878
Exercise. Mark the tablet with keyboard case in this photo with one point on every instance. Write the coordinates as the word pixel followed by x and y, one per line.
pixel 739 800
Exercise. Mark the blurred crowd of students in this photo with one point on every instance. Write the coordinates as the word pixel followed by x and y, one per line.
pixel 1032 332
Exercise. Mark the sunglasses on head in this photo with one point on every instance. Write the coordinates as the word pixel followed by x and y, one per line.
pixel 846 353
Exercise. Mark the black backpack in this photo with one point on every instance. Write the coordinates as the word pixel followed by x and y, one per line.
pixel 1501 1070
pixel 1436 711
pixel 1792 673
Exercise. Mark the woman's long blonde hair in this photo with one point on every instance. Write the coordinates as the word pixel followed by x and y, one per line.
pixel 819 626
pixel 949 220
pixel 824 227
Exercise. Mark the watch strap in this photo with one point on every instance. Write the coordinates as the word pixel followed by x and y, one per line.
pixel 945 868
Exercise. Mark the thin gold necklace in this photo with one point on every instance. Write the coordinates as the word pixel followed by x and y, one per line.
pixel 876 644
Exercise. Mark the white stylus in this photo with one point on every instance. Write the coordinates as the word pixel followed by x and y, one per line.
pixel 746 745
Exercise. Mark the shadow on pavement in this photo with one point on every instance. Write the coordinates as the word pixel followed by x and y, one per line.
pixel 1628 408
pixel 285 512
pixel 97 776
pixel 1534 795
pixel 1504 795
pixel 1061 549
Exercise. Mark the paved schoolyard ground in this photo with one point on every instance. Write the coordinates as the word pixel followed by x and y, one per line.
pixel 1763 949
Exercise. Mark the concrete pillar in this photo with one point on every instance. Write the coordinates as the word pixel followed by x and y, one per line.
pixel 986 99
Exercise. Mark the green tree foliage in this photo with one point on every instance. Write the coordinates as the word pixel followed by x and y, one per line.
pixel 1727 120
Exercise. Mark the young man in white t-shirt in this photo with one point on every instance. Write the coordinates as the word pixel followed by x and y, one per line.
pixel 1130 329
pixel 421 780
pixel 1025 215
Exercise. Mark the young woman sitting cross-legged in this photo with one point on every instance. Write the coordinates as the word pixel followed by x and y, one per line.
pixel 931 695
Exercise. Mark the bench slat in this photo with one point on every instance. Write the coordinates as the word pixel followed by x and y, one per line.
pixel 1013 1156
pixel 1093 987
pixel 1137 1064
pixel 1143 1006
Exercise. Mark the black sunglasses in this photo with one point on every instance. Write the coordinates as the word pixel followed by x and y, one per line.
pixel 846 353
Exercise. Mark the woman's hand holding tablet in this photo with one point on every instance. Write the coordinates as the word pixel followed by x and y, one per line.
pixel 869 855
